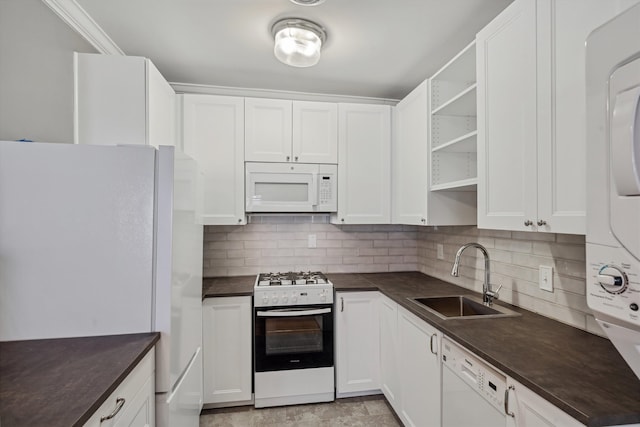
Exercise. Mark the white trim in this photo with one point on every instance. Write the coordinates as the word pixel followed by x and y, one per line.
pixel 79 20
pixel 276 94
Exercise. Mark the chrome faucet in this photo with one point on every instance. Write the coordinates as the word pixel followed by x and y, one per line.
pixel 488 295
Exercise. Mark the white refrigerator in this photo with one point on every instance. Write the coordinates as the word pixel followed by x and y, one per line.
pixel 102 240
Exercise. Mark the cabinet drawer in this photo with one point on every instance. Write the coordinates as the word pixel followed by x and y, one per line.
pixel 137 390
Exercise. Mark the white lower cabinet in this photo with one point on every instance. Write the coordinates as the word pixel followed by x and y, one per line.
pixel 531 410
pixel 389 376
pixel 132 404
pixel 419 371
pixel 409 365
pixel 357 344
pixel 226 346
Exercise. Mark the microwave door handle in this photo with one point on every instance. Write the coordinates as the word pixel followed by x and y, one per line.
pixel 292 313
pixel 314 189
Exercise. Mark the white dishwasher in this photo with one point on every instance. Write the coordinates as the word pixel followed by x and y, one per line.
pixel 473 392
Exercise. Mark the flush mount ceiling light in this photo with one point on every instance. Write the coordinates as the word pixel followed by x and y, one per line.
pixel 298 41
pixel 307 2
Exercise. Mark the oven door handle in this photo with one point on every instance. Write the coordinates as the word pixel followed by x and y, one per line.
pixel 292 313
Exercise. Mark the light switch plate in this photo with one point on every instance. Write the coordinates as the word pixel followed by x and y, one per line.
pixel 546 278
pixel 440 250
pixel 312 242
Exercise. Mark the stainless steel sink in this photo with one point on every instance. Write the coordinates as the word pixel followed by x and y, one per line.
pixel 462 307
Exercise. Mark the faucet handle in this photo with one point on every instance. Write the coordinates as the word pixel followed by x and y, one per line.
pixel 494 294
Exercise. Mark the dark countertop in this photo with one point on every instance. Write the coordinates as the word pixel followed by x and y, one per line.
pixel 579 372
pixel 62 382
pixel 228 286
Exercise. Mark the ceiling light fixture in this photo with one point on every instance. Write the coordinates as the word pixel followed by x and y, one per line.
pixel 298 41
pixel 307 2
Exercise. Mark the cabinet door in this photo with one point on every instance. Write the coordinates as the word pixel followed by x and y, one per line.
pixel 389 376
pixel 111 99
pixel 364 170
pixel 531 410
pixel 419 371
pixel 507 128
pixel 315 132
pixel 226 346
pixel 161 112
pixel 213 134
pixel 410 158
pixel 267 130
pixel 561 144
pixel 357 344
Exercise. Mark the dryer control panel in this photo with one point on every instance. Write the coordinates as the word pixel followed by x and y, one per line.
pixel 613 283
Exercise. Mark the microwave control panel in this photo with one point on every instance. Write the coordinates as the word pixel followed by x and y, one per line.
pixel 325 189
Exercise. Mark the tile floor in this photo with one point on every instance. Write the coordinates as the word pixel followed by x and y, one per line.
pixel 353 412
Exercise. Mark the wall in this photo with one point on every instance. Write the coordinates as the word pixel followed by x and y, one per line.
pixel 36 72
pixel 515 258
pixel 279 243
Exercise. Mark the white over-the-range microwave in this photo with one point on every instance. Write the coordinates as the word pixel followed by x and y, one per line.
pixel 291 187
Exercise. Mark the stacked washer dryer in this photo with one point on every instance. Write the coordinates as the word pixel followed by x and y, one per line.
pixel 613 181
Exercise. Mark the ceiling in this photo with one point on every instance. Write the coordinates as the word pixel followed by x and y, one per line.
pixel 374 48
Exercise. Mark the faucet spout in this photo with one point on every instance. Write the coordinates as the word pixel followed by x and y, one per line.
pixel 487 294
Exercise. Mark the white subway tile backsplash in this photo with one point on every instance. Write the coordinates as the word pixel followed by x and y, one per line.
pixel 515 260
pixel 281 243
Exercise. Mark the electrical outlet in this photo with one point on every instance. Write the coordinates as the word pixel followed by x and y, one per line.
pixel 546 278
pixel 440 250
pixel 311 241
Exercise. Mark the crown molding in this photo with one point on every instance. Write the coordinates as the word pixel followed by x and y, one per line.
pixel 276 94
pixel 79 20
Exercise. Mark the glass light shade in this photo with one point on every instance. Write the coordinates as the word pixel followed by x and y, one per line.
pixel 297 45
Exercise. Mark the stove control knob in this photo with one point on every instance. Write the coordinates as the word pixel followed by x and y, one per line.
pixel 274 299
pixel 612 279
pixel 265 299
pixel 285 299
pixel 323 297
pixel 294 299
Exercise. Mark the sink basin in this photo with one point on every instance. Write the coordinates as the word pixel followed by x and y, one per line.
pixel 462 307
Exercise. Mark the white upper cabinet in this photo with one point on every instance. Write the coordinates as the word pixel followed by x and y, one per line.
pixel 453 124
pixel 531 114
pixel 267 130
pixel 410 158
pixel 213 134
pixel 315 132
pixel 364 169
pixel 290 131
pixel 434 148
pixel 122 100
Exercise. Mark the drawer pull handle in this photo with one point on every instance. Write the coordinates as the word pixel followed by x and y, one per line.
pixel 119 405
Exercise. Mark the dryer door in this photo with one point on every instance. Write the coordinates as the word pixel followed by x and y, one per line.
pixel 624 149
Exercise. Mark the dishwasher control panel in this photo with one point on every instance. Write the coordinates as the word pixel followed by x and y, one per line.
pixel 480 376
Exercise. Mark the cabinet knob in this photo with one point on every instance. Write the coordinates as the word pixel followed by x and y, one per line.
pixel 288 158
pixel 542 222
pixel 296 158
pixel 528 222
pixel 422 220
pixel 239 220
pixel 342 219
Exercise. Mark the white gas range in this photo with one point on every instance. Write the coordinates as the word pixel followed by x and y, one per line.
pixel 293 339
pixel 292 289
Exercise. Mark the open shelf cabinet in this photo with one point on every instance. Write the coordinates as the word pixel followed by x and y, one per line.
pixel 453 129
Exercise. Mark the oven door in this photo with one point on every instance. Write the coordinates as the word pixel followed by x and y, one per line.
pixel 293 337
